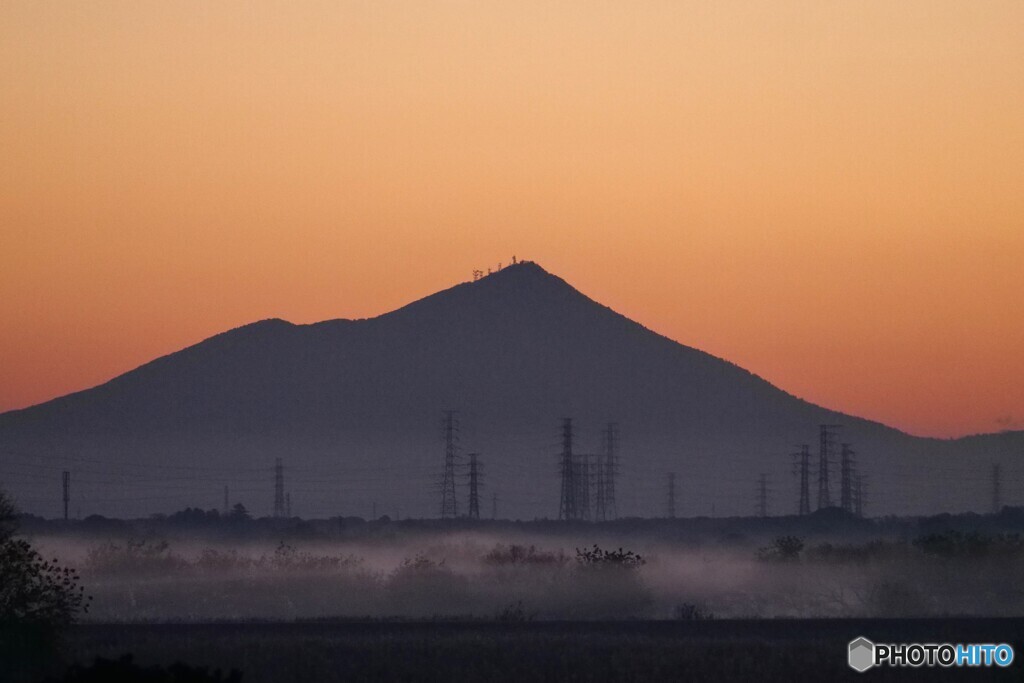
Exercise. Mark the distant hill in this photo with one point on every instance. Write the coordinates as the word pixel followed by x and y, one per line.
pixel 353 408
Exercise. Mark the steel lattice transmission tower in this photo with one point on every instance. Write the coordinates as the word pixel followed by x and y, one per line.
pixel 762 495
pixel 606 468
pixel 847 472
pixel 804 472
pixel 567 503
pixel 581 478
pixel 474 486
pixel 827 438
pixel 859 494
pixel 279 504
pixel 449 504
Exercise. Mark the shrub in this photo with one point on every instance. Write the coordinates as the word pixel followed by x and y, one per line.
pixel 782 549
pixel 213 560
pixel 515 613
pixel 969 545
pixel 606 584
pixel 690 612
pixel 894 598
pixel 421 586
pixel 860 554
pixel 518 554
pixel 287 558
pixel 596 557
pixel 109 670
pixel 144 556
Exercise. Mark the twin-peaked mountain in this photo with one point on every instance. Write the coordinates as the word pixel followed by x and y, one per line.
pixel 353 408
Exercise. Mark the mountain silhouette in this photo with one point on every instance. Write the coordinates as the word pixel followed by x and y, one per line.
pixel 353 408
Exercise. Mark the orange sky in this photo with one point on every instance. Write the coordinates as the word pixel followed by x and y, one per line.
pixel 830 194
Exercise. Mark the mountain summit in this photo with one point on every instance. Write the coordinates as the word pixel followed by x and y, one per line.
pixel 352 408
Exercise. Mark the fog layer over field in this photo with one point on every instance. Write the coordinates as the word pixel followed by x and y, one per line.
pixel 517 577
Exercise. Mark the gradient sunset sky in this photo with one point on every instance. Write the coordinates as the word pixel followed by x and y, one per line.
pixel 830 194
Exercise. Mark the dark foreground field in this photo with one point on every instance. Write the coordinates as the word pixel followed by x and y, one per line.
pixel 762 650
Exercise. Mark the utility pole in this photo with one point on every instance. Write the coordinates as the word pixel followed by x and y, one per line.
pixel 804 505
pixel 846 475
pixel 671 495
pixel 762 495
pixel 66 479
pixel 997 503
pixel 278 488
pixel 474 491
pixel 449 504
pixel 567 504
pixel 227 507
pixel 827 437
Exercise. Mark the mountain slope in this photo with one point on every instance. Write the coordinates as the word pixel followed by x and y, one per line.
pixel 352 407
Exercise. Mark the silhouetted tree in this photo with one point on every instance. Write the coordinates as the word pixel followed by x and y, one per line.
pixel 8 518
pixel 194 517
pixel 239 513
pixel 32 589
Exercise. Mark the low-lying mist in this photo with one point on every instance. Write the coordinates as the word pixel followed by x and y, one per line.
pixel 517 577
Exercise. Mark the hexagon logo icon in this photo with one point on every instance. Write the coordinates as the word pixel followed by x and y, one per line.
pixel 862 654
